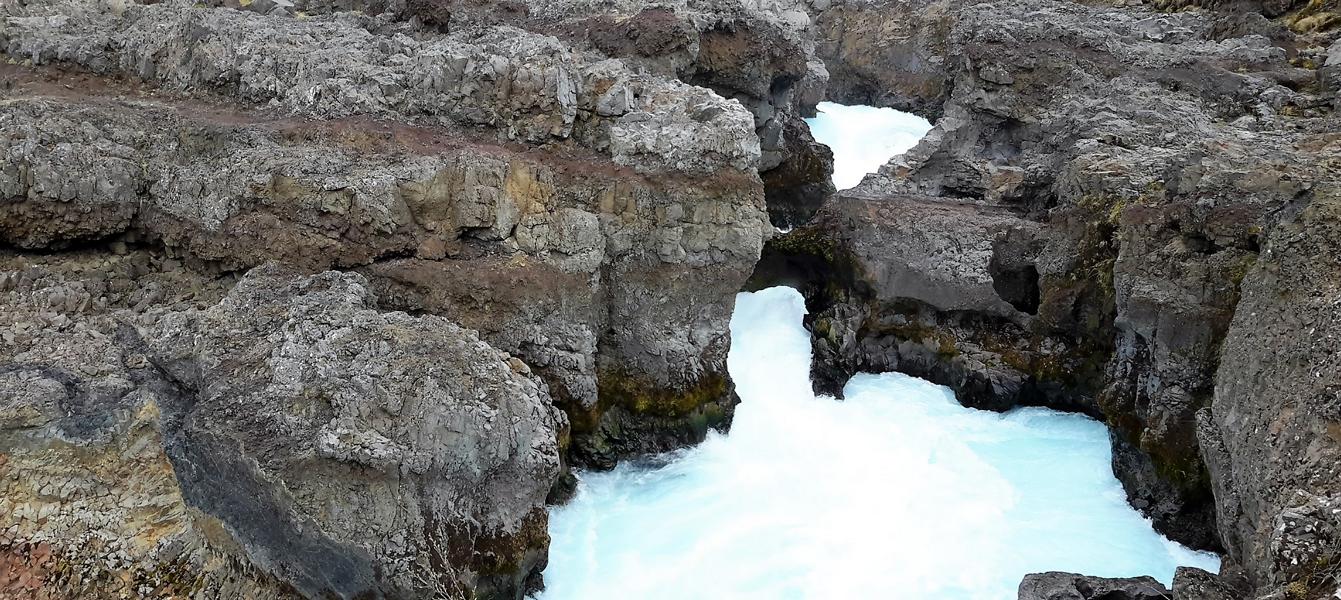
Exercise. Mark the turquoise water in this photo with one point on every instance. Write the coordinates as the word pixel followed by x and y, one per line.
pixel 895 492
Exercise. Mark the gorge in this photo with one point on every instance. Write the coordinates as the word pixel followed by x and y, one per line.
pixel 880 495
pixel 365 298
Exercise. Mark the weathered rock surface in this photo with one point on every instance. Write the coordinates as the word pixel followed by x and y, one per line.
pixel 1125 210
pixel 1188 584
pixel 1069 586
pixel 1271 435
pixel 1077 231
pixel 524 86
pixel 758 53
pixel 473 230
pixel 289 440
pixel 589 222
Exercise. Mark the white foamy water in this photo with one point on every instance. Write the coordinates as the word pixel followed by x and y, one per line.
pixel 895 492
pixel 864 138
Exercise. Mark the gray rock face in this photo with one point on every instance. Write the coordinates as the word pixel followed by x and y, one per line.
pixel 526 87
pixel 591 225
pixel 887 52
pixel 600 253
pixel 290 439
pixel 760 54
pixel 1270 434
pixel 1188 584
pixel 1069 586
pixel 1114 174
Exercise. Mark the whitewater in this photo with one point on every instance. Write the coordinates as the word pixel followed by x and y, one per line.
pixel 895 492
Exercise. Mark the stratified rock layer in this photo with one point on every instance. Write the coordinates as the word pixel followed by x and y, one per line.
pixel 589 223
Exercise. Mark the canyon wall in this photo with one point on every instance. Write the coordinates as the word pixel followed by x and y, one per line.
pixel 1123 210
pixel 326 305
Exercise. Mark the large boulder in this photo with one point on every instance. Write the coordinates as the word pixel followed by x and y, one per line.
pixel 290 439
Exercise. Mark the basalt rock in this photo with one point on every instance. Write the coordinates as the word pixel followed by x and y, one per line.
pixel 761 55
pixel 589 223
pixel 1077 231
pixel 1188 584
pixel 418 206
pixel 289 440
pixel 887 52
pixel 1069 586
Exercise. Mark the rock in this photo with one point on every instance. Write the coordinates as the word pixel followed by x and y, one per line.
pixel 235 193
pixel 758 55
pixel 526 87
pixel 592 242
pixel 887 53
pixel 1270 431
pixel 1138 162
pixel 1069 586
pixel 291 438
pixel 1195 584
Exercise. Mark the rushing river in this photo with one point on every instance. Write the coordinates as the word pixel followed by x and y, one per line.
pixel 896 492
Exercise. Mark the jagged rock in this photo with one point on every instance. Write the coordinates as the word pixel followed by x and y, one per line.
pixel 1188 584
pixel 1270 433
pixel 1069 586
pixel 289 440
pixel 760 54
pixel 1195 584
pixel 591 222
pixel 525 86
pixel 887 53
pixel 1150 154
pixel 605 250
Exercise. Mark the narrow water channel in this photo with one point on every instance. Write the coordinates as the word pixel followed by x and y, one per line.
pixel 895 492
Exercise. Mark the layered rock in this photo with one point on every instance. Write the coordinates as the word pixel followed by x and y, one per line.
pixel 1075 230
pixel 526 87
pixel 590 224
pixel 758 53
pixel 355 192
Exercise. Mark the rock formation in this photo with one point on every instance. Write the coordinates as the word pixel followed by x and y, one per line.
pixel 324 297
pixel 590 223
pixel 1109 201
pixel 1188 584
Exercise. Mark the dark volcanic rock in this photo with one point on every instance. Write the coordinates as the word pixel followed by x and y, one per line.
pixel 1188 584
pixel 887 53
pixel 1069 586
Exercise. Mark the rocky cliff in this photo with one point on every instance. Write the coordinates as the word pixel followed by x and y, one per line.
pixel 1096 223
pixel 304 293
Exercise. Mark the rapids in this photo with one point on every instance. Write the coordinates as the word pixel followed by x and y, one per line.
pixel 895 492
